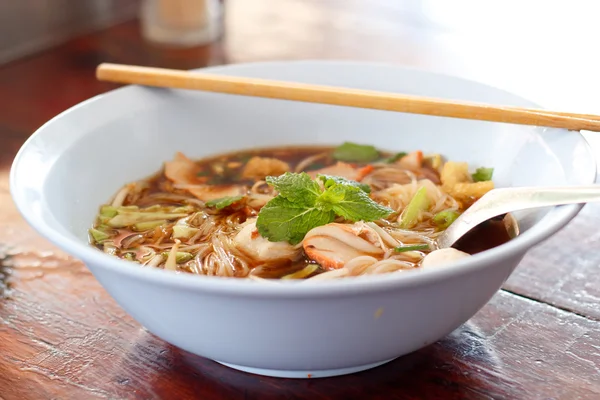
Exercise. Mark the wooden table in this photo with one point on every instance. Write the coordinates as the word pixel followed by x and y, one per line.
pixel 63 337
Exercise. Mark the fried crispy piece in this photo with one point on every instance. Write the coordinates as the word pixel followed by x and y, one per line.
pixel 455 172
pixel 457 182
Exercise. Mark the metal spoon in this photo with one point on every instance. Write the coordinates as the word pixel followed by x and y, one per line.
pixel 501 201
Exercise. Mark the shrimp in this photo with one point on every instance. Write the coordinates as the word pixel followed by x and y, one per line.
pixel 333 245
pixel 343 170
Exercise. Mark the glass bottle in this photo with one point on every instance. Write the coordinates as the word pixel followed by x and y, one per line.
pixel 181 23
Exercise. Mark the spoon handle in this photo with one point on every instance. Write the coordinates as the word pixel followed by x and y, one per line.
pixel 505 200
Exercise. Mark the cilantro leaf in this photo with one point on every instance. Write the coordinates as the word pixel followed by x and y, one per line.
pixel 352 203
pixel 483 174
pixel 223 202
pixel 395 158
pixel 297 188
pixel 445 218
pixel 329 181
pixel 282 220
pixel 353 152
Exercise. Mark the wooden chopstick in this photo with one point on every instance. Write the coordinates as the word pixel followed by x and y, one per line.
pixel 169 78
pixel 560 113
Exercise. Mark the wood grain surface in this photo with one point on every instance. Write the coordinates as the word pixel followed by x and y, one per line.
pixel 63 337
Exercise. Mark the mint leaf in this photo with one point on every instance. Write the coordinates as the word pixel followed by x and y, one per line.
pixel 282 220
pixel 353 152
pixel 352 203
pixel 223 202
pixel 297 188
pixel 302 205
pixel 483 174
pixel 329 181
pixel 329 198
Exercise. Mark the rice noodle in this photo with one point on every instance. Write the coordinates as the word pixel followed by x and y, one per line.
pixel 131 240
pixel 384 177
pixel 261 187
pixel 165 197
pixel 210 237
pixel 120 197
pixel 336 273
pixel 155 261
pixel 309 160
pixel 386 238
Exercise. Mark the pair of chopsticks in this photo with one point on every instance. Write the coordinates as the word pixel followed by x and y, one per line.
pixel 169 78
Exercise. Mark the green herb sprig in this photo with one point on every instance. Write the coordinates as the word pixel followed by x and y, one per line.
pixel 354 152
pixel 223 202
pixel 414 247
pixel 302 204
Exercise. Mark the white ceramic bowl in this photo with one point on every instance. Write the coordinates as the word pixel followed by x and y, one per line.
pixel 79 159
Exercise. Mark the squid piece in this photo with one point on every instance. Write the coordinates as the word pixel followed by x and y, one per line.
pixel 183 172
pixel 257 200
pixel 441 257
pixel 249 241
pixel 333 245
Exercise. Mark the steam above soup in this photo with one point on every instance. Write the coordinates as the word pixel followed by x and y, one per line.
pixel 295 213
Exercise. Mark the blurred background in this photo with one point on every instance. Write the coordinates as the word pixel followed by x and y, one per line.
pixel 543 50
pixel 516 44
pixel 29 26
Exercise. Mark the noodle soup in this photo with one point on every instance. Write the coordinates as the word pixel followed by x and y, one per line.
pixel 296 213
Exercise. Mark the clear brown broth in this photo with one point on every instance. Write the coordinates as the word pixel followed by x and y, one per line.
pixel 227 168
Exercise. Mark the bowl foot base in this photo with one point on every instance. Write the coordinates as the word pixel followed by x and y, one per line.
pixel 278 373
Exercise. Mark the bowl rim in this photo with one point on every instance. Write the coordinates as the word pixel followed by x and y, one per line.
pixel 290 289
